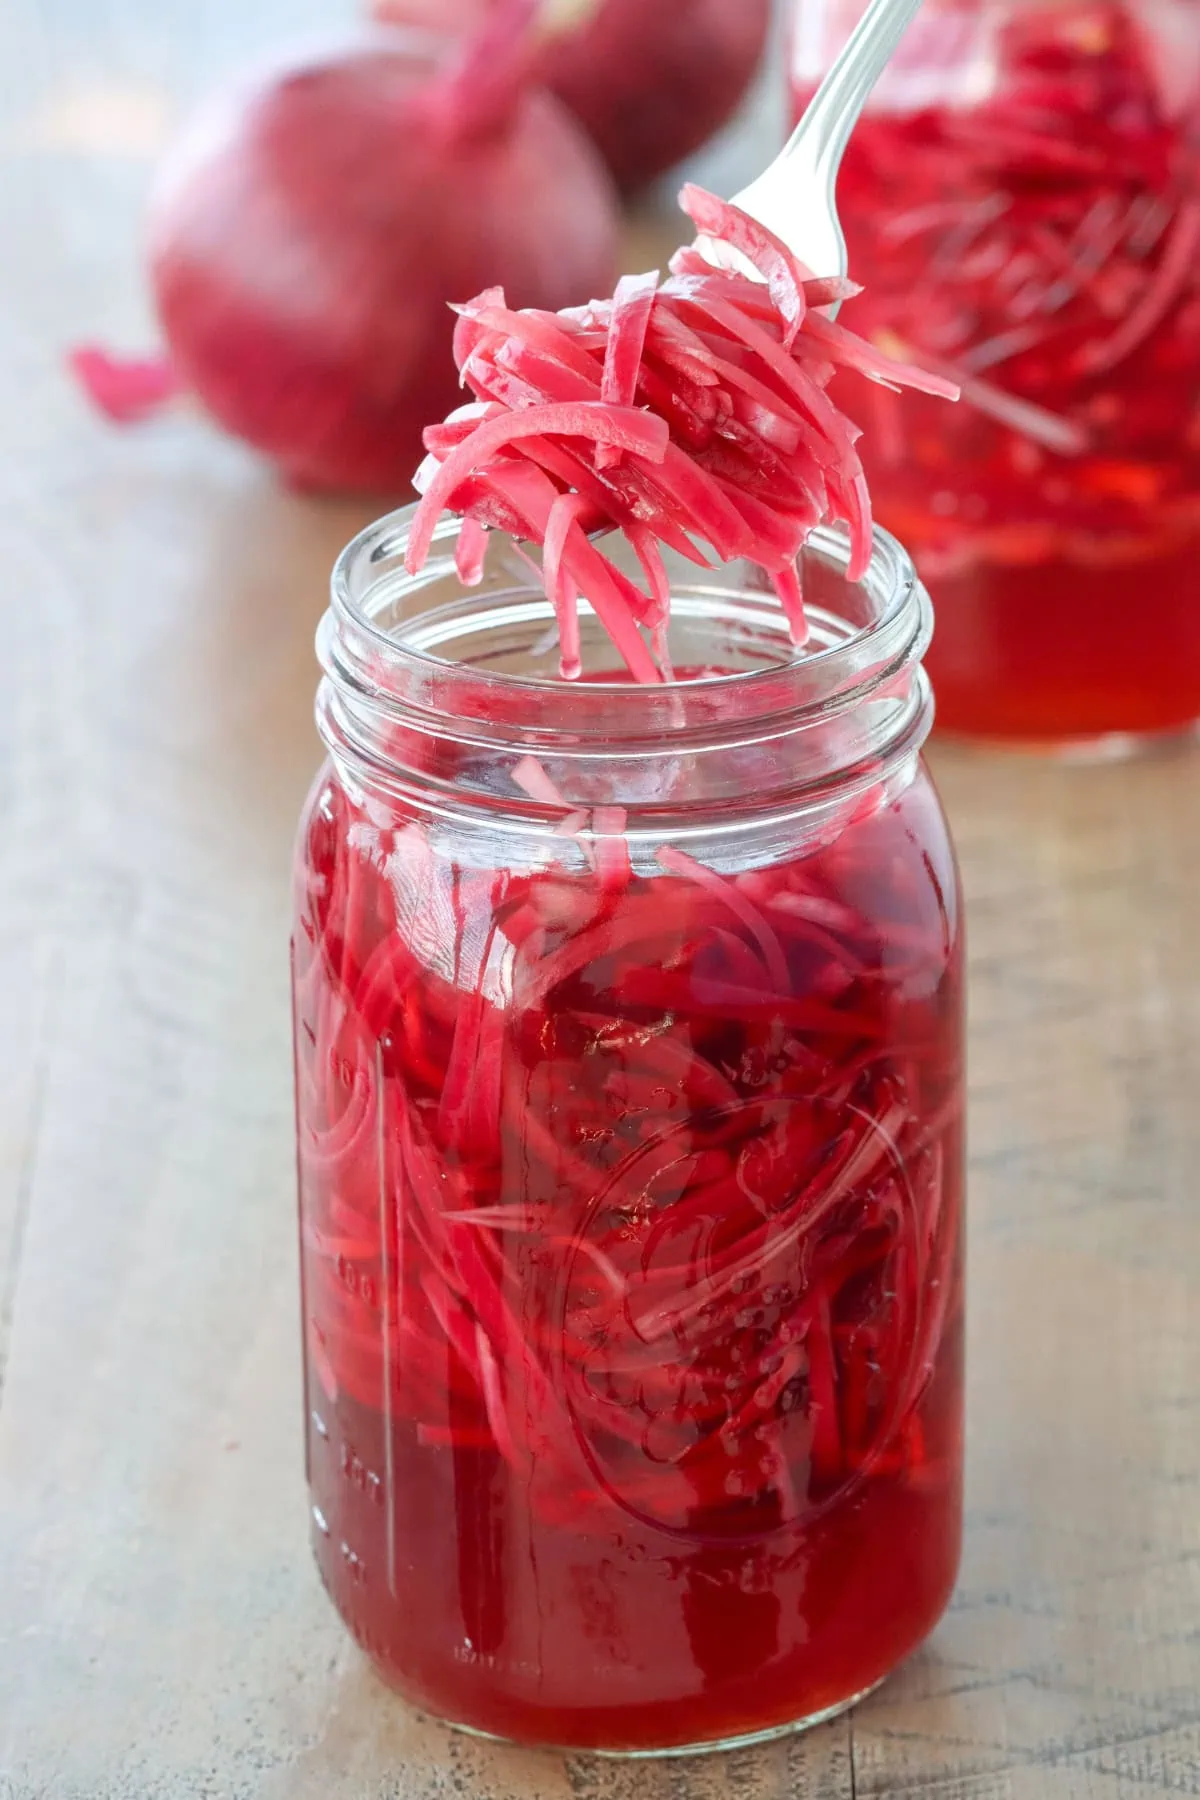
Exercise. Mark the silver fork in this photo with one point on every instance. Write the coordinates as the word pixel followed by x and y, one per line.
pixel 795 197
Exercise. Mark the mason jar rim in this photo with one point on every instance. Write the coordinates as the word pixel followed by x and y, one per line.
pixel 375 664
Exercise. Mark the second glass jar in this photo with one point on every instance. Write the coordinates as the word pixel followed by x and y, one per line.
pixel 629 1089
pixel 1022 206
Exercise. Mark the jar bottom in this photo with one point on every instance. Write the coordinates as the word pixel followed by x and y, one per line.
pixel 709 1747
pixel 1095 662
pixel 1082 752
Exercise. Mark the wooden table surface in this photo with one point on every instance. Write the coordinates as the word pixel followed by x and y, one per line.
pixel 162 1632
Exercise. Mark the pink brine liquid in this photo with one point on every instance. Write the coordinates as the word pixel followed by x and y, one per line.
pixel 1022 207
pixel 632 1257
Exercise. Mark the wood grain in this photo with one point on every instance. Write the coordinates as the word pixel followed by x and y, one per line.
pixel 161 1629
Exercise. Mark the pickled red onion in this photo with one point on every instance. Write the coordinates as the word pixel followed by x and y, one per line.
pixel 690 413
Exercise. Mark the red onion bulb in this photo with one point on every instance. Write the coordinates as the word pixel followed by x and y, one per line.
pixel 315 223
pixel 651 80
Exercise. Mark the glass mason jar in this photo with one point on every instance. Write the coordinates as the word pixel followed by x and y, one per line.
pixel 1022 205
pixel 629 1087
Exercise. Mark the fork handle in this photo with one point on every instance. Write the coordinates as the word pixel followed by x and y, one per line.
pixel 832 113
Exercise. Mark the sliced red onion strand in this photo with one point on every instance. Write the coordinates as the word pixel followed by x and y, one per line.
pixel 689 414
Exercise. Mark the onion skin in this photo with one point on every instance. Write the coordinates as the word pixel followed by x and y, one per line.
pixel 308 235
pixel 650 80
